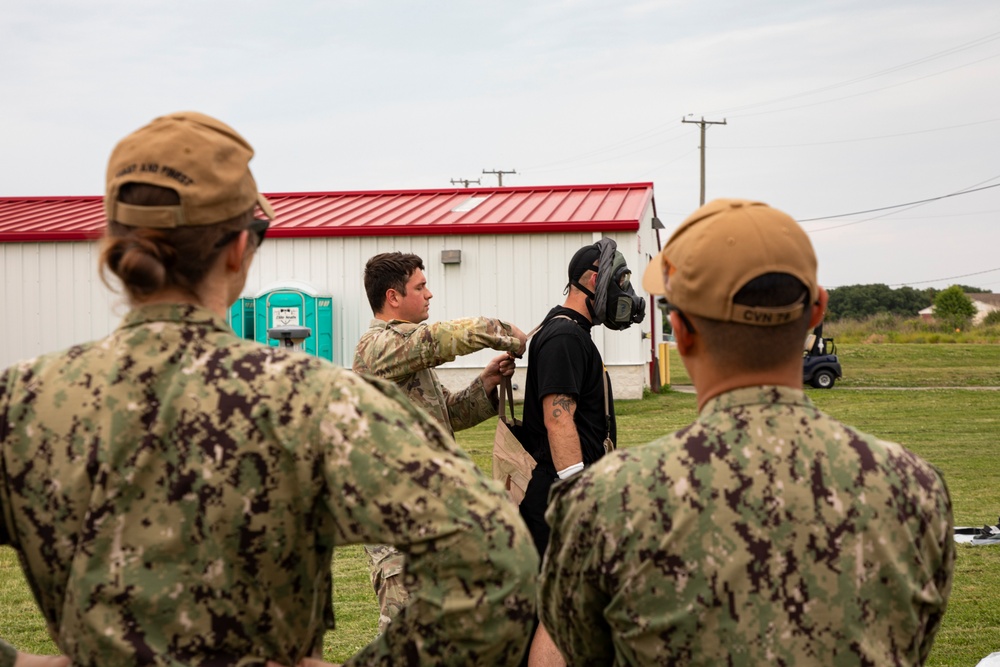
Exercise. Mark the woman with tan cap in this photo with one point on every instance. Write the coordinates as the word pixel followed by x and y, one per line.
pixel 175 492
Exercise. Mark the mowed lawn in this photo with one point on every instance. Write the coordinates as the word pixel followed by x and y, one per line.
pixel 956 429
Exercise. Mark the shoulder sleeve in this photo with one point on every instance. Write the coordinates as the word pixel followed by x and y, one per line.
pixel 6 383
pixel 394 477
pixel 8 654
pixel 402 349
pixel 572 597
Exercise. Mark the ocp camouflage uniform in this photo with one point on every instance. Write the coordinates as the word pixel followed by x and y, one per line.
pixel 407 354
pixel 764 533
pixel 176 493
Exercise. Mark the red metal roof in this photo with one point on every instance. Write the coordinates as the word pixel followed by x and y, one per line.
pixel 512 210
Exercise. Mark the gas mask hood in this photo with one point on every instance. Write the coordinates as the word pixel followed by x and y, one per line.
pixel 615 304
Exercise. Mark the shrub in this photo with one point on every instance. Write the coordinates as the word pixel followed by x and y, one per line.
pixel 954 308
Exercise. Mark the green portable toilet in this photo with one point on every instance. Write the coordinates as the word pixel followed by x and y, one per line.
pixel 241 318
pixel 295 304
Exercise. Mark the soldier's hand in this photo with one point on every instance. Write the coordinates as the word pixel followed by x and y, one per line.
pixel 507 365
pixel 520 335
pixel 32 660
pixel 493 373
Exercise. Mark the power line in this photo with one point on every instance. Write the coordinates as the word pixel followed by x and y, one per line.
pixel 886 208
pixel 874 75
pixel 991 37
pixel 850 141
pixel 937 280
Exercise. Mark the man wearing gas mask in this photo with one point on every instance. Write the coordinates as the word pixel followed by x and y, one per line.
pixel 569 417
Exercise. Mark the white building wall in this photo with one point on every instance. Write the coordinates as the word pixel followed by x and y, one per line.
pixel 53 296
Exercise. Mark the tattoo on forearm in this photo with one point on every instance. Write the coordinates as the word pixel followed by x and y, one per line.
pixel 562 402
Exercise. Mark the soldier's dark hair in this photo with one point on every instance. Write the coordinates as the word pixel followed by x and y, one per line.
pixel 748 347
pixel 148 260
pixel 389 270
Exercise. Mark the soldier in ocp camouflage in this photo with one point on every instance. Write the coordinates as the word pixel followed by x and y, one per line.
pixel 385 568
pixel 766 532
pixel 407 354
pixel 399 347
pixel 176 493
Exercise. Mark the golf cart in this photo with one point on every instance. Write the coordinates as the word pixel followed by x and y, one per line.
pixel 820 367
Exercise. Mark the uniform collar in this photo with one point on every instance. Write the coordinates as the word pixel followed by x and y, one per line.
pixel 759 395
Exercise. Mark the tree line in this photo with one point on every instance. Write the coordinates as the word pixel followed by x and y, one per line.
pixel 861 301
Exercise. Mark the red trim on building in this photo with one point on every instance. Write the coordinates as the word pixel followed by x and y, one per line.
pixel 511 210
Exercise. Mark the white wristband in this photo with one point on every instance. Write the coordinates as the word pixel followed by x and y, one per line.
pixel 570 471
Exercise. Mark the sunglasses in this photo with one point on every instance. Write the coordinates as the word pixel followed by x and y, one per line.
pixel 671 308
pixel 257 226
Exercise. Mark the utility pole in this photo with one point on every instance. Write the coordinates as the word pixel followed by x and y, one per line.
pixel 703 124
pixel 465 181
pixel 499 174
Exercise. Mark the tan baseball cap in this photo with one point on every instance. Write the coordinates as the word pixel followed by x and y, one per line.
pixel 202 159
pixel 720 248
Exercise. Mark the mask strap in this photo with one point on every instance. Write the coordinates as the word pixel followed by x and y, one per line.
pixel 590 303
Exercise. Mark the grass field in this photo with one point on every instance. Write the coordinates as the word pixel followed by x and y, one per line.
pixel 956 429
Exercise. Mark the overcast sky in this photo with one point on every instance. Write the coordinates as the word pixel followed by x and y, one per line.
pixel 831 107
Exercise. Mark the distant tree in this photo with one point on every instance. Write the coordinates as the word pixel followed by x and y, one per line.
pixel 967 289
pixel 861 301
pixel 952 307
pixel 992 317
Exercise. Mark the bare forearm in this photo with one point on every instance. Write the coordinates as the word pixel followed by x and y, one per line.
pixel 564 441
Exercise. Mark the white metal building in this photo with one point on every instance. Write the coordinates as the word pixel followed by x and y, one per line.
pixel 500 252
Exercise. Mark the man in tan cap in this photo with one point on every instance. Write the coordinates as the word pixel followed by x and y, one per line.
pixel 765 532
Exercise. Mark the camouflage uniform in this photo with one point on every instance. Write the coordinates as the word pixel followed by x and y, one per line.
pixel 176 493
pixel 764 533
pixel 407 354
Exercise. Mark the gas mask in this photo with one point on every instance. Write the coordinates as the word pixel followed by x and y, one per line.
pixel 615 305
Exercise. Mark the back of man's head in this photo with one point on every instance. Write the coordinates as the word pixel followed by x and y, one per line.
pixel 389 270
pixel 744 274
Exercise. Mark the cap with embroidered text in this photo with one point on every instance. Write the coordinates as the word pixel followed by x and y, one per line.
pixel 720 248
pixel 202 159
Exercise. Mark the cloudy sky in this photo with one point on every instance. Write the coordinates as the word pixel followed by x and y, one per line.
pixel 877 124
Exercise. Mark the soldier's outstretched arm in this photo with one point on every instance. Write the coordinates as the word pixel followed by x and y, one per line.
pixel 407 349
pixel 395 477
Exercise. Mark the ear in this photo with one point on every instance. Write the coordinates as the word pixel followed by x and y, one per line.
pixel 236 252
pixel 819 308
pixel 683 336
pixel 392 297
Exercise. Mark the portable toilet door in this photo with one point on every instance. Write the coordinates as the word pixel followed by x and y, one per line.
pixel 296 305
pixel 241 318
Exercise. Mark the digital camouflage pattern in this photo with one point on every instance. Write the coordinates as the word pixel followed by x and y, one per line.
pixel 765 532
pixel 176 493
pixel 407 354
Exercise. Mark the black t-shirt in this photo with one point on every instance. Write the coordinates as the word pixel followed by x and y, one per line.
pixel 563 359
